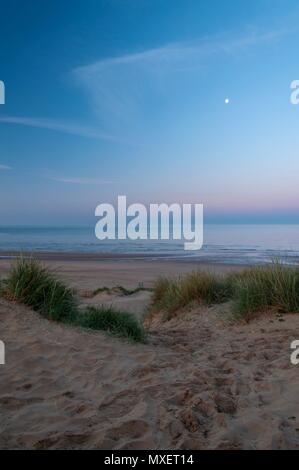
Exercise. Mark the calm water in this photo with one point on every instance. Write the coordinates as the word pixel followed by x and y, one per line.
pixel 222 243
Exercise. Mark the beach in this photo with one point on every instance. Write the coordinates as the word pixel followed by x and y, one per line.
pixel 86 272
pixel 199 382
pixel 149 229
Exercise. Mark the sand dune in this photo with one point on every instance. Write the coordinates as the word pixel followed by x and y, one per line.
pixel 197 384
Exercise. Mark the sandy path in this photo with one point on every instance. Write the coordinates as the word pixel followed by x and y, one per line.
pixel 195 385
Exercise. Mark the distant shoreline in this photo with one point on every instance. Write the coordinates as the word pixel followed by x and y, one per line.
pixel 223 245
pixel 101 256
pixel 86 257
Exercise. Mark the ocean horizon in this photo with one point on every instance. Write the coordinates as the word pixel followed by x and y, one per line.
pixel 223 243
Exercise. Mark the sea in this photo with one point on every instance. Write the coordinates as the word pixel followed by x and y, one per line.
pixel 223 244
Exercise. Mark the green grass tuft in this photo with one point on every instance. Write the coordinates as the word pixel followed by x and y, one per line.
pixel 260 288
pixel 33 285
pixel 170 295
pixel 113 321
pixel 251 291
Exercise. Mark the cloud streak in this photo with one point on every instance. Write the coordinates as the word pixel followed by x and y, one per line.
pixel 79 180
pixel 60 126
pixel 119 86
pixel 5 168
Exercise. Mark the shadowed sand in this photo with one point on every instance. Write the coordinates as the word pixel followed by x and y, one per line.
pixel 199 383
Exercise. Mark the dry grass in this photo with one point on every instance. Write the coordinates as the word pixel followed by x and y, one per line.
pixel 250 291
pixel 170 295
pixel 33 285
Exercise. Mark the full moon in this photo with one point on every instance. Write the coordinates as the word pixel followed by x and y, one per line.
pixel 226 101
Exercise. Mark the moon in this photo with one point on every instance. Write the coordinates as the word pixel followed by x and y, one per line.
pixel 226 101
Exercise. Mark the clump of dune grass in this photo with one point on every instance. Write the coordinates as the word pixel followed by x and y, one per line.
pixel 169 295
pixel 33 285
pixel 260 288
pixel 113 321
pixel 250 291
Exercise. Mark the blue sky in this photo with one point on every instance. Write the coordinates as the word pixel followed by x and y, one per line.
pixel 128 97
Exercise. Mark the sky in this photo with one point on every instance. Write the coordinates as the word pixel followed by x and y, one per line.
pixel 127 97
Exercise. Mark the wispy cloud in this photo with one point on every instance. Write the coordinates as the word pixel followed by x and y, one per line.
pixel 57 125
pixel 79 180
pixel 118 86
pixel 5 167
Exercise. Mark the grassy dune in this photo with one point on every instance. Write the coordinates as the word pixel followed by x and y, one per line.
pixel 250 291
pixel 171 295
pixel 113 321
pixel 31 284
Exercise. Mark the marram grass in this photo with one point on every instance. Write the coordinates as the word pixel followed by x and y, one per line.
pixel 250 291
pixel 201 287
pixel 31 284
pixel 113 321
pixel 260 288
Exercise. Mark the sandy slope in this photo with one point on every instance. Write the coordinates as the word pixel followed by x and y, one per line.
pixel 197 384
